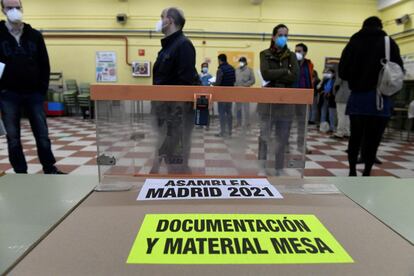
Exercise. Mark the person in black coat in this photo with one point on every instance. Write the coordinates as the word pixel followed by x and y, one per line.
pixel 360 65
pixel 175 65
pixel 23 85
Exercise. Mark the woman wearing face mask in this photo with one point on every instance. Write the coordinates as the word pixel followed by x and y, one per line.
pixel 205 75
pixel 278 66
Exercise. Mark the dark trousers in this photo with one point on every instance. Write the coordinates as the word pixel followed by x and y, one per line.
pixel 11 104
pixel 366 134
pixel 174 123
pixel 300 116
pixel 282 131
pixel 226 118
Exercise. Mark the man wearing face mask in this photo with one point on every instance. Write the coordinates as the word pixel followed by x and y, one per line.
pixel 175 65
pixel 225 76
pixel 23 85
pixel 304 81
pixel 305 76
pixel 244 77
pixel 278 66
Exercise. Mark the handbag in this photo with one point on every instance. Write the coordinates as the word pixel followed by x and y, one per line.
pixel 391 77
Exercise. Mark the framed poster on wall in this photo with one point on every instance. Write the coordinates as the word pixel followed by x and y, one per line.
pixel 332 62
pixel 106 66
pixel 141 69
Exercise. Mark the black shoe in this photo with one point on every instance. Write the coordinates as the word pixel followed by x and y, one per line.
pixel 335 136
pixel 352 173
pixel 377 161
pixel 56 171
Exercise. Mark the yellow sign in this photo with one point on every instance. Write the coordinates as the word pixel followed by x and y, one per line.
pixel 235 239
pixel 234 56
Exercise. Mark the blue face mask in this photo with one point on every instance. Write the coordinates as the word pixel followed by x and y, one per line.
pixel 281 41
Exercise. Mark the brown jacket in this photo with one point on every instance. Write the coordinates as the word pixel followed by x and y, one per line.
pixel 282 70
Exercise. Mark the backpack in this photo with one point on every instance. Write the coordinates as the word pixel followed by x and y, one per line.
pixel 391 77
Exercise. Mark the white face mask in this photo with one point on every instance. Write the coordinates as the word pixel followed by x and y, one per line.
pixel 299 56
pixel 327 75
pixel 14 15
pixel 158 26
pixel 242 64
pixel 204 70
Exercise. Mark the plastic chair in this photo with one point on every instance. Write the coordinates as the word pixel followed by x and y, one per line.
pixel 84 100
pixel 84 87
pixel 70 101
pixel 71 85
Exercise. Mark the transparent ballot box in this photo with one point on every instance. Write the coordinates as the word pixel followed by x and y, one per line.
pixel 197 131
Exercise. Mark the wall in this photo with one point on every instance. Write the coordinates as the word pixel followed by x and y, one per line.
pixel 76 57
pixel 388 16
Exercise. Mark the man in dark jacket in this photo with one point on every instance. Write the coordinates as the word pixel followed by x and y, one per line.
pixel 304 81
pixel 175 65
pixel 360 65
pixel 226 76
pixel 23 85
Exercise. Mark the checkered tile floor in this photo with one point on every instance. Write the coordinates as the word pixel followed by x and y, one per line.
pixel 74 146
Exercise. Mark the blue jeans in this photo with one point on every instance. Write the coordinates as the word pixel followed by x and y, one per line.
pixel 226 118
pixel 313 110
pixel 11 105
pixel 328 110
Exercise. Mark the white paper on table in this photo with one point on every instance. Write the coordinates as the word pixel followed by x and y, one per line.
pixel 187 189
pixel 264 83
pixel 212 79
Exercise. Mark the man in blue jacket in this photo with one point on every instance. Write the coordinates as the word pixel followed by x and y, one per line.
pixel 23 85
pixel 226 76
